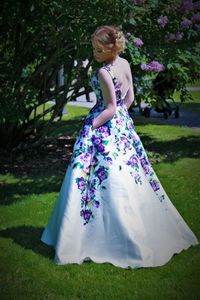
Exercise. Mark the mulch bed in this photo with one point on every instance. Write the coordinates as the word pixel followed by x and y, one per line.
pixel 50 158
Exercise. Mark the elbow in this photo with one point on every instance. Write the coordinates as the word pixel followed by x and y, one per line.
pixel 113 111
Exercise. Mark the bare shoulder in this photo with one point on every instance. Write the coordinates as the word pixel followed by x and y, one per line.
pixel 103 75
pixel 124 61
pixel 125 65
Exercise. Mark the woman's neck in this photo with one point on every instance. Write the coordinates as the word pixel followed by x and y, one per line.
pixel 113 61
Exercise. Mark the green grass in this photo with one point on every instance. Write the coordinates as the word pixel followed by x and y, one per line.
pixel 27 267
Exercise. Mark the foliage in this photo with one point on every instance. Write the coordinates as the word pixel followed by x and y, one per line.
pixel 167 33
pixel 37 39
pixel 41 38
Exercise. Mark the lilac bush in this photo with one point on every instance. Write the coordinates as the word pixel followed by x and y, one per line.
pixel 137 42
pixel 163 36
pixel 162 21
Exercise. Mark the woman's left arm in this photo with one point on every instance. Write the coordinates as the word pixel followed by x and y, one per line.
pixel 108 92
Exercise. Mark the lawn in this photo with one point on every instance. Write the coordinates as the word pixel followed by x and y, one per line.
pixel 27 267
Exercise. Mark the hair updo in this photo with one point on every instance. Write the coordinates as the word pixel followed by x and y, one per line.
pixel 110 37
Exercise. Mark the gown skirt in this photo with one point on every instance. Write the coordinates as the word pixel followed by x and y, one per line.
pixel 111 207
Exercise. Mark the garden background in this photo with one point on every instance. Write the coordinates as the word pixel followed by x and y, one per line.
pixel 42 45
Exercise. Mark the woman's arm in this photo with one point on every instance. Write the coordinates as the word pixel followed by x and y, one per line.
pixel 108 92
pixel 130 97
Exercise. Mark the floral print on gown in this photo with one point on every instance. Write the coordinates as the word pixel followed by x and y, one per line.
pixel 111 206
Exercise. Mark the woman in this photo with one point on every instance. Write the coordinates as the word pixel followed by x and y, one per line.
pixel 111 206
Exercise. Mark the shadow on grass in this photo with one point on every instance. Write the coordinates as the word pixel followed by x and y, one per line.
pixel 67 127
pixel 28 237
pixel 12 192
pixel 168 152
pixel 184 147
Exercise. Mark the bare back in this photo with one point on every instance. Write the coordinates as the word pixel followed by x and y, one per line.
pixel 122 72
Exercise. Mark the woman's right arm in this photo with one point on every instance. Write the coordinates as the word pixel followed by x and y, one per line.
pixel 130 96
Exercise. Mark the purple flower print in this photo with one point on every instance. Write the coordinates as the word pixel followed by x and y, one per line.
pixel 84 157
pixel 130 125
pixel 104 130
pixel 86 214
pixel 85 131
pixel 162 21
pixel 144 161
pixel 146 170
pixel 139 151
pixel 81 183
pixel 88 121
pixel 137 42
pixel 100 148
pixel 133 162
pixel 186 23
pixel 154 184
pixel 137 178
pixel 96 141
pixel 102 174
pixel 96 203
pixel 90 192
pixel 119 121
pixel 83 201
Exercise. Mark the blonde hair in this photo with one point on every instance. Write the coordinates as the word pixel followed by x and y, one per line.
pixel 110 37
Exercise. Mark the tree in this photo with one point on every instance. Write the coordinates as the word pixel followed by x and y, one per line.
pixel 40 37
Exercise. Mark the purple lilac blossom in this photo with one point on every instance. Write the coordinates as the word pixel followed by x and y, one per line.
pixel 171 37
pixel 162 21
pixel 175 36
pixel 196 18
pixel 137 42
pixel 179 35
pixel 196 5
pixel 127 34
pixel 186 6
pixel 186 23
pixel 139 2
pixel 152 66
